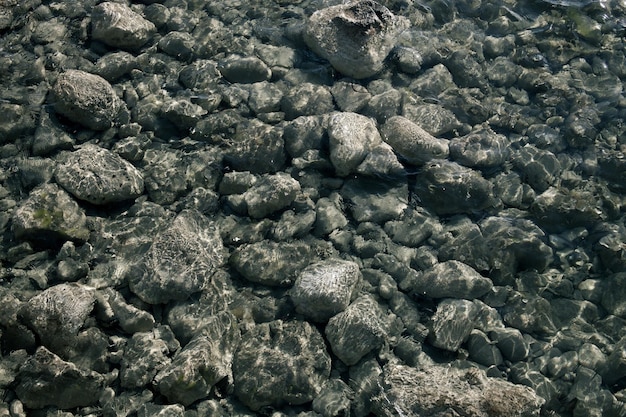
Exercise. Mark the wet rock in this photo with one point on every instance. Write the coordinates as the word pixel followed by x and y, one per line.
pixel 203 362
pixel 412 143
pixel 115 65
pixel 86 99
pixel 117 25
pixel 334 399
pixel 256 147
pixel 451 279
pixel 558 209
pixel 529 314
pixel 128 317
pixel 449 188
pixel 482 350
pixel 47 380
pixel 482 148
pixel 357 330
pixel 179 45
pixel 355 37
pixel 98 176
pixel 325 288
pixel 50 216
pixel 351 136
pixel 540 168
pixel 511 343
pixel 280 362
pixel 522 373
pixel 452 323
pixel 384 105
pixel 271 263
pixel 304 134
pixel 350 97
pixel 614 294
pixel 49 137
pixel 433 118
pixel 306 99
pixel 375 201
pixel 271 194
pixel 329 214
pixel 264 97
pixel 144 355
pixel 182 113
pixel 238 69
pixel 466 69
pixel 180 261
pixel 433 82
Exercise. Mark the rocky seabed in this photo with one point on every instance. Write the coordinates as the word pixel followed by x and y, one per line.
pixel 312 208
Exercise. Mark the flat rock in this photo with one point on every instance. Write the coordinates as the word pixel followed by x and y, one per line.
pixel 98 176
pixel 377 201
pixel 48 216
pixel 452 323
pixel 86 99
pixel 355 37
pixel 271 194
pixel 433 118
pixel 451 279
pixel 325 288
pixel 117 25
pixel 280 362
pixel 412 143
pixel 352 136
pixel 180 261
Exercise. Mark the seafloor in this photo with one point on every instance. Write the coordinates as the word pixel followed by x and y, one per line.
pixel 238 208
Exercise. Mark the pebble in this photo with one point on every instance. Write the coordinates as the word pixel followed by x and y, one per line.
pixel 117 25
pixel 412 143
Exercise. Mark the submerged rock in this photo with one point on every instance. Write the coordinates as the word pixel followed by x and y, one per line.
pixel 412 143
pixel 351 138
pixel 452 323
pixel 119 26
pixel 271 194
pixel 355 37
pixel 451 279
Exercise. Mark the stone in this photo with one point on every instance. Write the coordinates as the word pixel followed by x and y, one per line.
pixel 330 215
pixel 128 317
pixel 180 261
pixel 351 136
pixel 145 355
pixel 355 37
pixel 381 162
pixel 350 97
pixel 256 147
pixel 614 294
pixel 452 323
pixel 559 209
pixel 179 45
pixel 98 176
pixel 481 148
pixel 247 70
pixel 271 263
pixel 49 216
pixel 264 97
pixel 270 194
pixel 540 168
pixel 482 350
pixel 86 99
pixel 334 399
pixel 182 113
pixel 280 362
pixel 411 229
pixel 47 380
pixel 155 410
pixel 306 99
pixel 511 343
pixel 305 133
pixel 451 279
pixel 412 143
pixel 325 288
pixel 433 118
pixel 357 330
pixel 530 315
pixel 117 25
pixel 377 201
pixel 115 65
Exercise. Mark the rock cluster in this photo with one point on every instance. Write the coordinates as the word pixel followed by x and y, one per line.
pixel 306 208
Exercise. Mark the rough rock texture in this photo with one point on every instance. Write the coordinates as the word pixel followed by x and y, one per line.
pixel 119 26
pixel 49 216
pixel 325 288
pixel 272 193
pixel 86 99
pixel 451 279
pixel 180 261
pixel 98 176
pixel 144 356
pixel 370 200
pixel 279 363
pixel 355 37
pixel 238 69
pixel 482 148
pixel 452 323
pixel 352 136
pixel 412 143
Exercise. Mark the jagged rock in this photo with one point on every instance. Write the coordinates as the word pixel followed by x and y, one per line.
pixel 540 168
pixel 256 147
pixel 412 228
pixel 482 148
pixel 377 201
pixel 271 194
pixel 50 216
pixel 334 399
pixel 155 410
pixel 330 215
pixel 119 26
pixel 279 363
pixel 352 137
pixel 452 323
pixel 350 97
pixel 264 97
pixel 614 294
pixel 180 260
pixel 87 99
pixel 238 69
pixel 179 45
pixel 182 113
pixel 357 330
pixel 355 37
pixel 47 380
pixel 381 162
pixel 451 279
pixel 325 288
pixel 482 350
pixel 145 355
pixel 125 403
pixel 305 133
pixel 128 317
pixel 98 176
pixel 529 314
pixel 412 143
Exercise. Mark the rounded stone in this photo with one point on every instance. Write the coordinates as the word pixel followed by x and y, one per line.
pixel 352 136
pixel 411 142
pixel 117 25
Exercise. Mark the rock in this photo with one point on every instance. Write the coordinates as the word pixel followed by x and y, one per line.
pixel 381 162
pixel 334 399
pixel 264 97
pixel 115 65
pixel 355 37
pixel 98 176
pixel 180 261
pixel 280 362
pixel 271 263
pixel 304 134
pixel 306 99
pixel 237 69
pixel 117 25
pixel 451 279
pixel 325 288
pixel 384 105
pixel 182 113
pixel 350 97
pixel 357 330
pixel 128 317
pixel 482 350
pixel 373 200
pixel 256 147
pixel 433 118
pixel 351 136
pixel 614 294
pixel 412 143
pixel 86 99
pixel 482 148
pixel 49 216
pixel 330 215
pixel 47 380
pixel 145 355
pixel 529 314
pixel 449 188
pixel 271 194
pixel 511 343
pixel 179 45
pixel 559 209
pixel 540 168
pixel 293 225
pixel 411 229
pixel 203 362
pixel 154 410
pixel 452 323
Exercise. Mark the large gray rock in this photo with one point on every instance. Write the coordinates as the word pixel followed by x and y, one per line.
pixel 271 194
pixel 47 380
pixel 86 99
pixel 49 216
pixel 355 37
pixel 451 279
pixel 280 363
pixel 98 176
pixel 325 288
pixel 119 26
pixel 352 137
pixel 452 323
pixel 411 142
pixel 180 261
